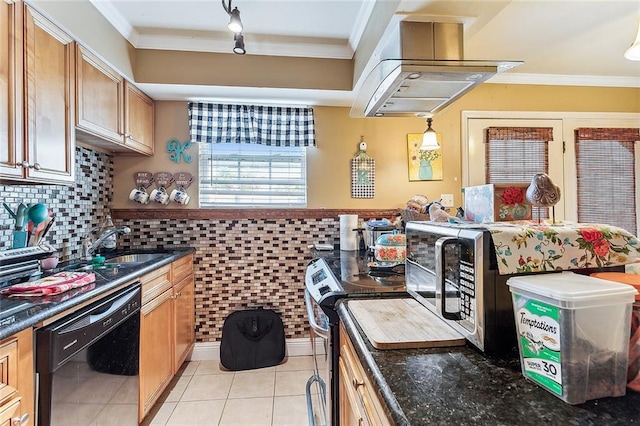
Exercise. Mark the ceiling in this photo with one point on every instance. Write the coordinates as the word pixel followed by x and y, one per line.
pixel 576 42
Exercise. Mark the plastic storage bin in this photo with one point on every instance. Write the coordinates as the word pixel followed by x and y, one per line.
pixel 573 333
pixel 633 366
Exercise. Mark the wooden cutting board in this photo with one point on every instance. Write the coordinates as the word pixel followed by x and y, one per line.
pixel 402 324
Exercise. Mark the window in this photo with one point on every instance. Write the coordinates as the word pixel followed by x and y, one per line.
pixel 605 169
pixel 249 175
pixel 515 154
pixel 252 156
pixel 593 157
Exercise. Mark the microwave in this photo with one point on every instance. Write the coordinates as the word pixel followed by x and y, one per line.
pixel 452 270
pixel 448 270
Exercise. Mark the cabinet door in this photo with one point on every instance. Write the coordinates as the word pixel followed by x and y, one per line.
pixel 99 99
pixel 356 391
pixel 11 149
pixel 156 350
pixel 139 116
pixel 10 412
pixel 349 413
pixel 183 294
pixel 49 88
pixel 17 378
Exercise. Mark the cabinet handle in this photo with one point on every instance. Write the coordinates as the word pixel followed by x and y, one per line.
pixel 128 136
pixel 178 294
pixel 25 165
pixel 360 421
pixel 19 421
pixel 356 383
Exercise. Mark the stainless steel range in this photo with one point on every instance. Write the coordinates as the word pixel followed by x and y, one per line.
pixel 330 277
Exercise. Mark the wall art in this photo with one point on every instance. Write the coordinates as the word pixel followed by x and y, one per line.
pixel 423 165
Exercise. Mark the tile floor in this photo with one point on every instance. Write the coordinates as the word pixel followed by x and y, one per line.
pixel 202 394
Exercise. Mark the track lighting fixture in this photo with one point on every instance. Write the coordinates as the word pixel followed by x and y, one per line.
pixel 235 25
pixel 238 48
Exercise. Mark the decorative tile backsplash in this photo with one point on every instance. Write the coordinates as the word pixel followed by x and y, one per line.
pixel 78 207
pixel 241 264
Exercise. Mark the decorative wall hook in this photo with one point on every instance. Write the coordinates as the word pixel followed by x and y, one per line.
pixel 183 179
pixel 163 179
pixel 143 179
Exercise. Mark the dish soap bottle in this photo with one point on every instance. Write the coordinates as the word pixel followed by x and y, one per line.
pixel 109 243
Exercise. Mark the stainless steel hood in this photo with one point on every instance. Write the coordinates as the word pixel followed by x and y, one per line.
pixel 421 70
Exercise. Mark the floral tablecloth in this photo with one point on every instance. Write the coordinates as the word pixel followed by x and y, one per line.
pixel 527 246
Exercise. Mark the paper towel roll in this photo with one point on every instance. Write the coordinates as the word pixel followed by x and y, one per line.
pixel 348 237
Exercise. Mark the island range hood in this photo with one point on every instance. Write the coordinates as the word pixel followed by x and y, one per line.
pixel 421 70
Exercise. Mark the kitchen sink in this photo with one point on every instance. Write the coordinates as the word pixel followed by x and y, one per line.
pixel 134 258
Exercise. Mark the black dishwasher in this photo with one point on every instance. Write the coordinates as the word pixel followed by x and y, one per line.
pixel 87 363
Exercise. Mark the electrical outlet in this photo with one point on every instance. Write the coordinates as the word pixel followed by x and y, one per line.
pixel 446 200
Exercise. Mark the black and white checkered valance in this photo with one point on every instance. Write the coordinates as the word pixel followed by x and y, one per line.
pixel 254 124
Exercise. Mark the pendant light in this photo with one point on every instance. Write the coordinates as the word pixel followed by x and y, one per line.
pixel 633 53
pixel 429 138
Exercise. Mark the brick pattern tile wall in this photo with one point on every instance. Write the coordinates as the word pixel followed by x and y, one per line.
pixel 77 208
pixel 242 264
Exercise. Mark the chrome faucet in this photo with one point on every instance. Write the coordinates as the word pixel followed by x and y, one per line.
pixel 89 247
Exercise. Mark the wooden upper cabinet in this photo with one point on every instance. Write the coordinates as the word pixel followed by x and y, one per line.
pixel 49 87
pixel 139 122
pixel 11 148
pixel 99 100
pixel 111 113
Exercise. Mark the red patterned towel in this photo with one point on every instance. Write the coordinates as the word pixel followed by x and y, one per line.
pixel 53 284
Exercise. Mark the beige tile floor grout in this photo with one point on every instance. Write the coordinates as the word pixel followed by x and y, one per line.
pixel 202 394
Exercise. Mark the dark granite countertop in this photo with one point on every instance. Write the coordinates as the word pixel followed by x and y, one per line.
pixel 460 386
pixel 19 313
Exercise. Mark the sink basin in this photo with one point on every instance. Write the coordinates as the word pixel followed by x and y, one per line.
pixel 134 258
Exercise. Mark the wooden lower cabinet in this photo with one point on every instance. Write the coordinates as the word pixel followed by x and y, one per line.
pixel 156 356
pixel 359 401
pixel 17 380
pixel 184 320
pixel 167 333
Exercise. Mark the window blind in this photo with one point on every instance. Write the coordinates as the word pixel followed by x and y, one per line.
pixel 246 175
pixel 606 181
pixel 515 154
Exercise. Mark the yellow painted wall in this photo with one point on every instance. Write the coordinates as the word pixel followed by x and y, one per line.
pixel 338 137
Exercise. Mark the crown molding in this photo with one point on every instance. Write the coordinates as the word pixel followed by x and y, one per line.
pixel 565 80
pixel 114 17
pixel 256 45
pixel 360 23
